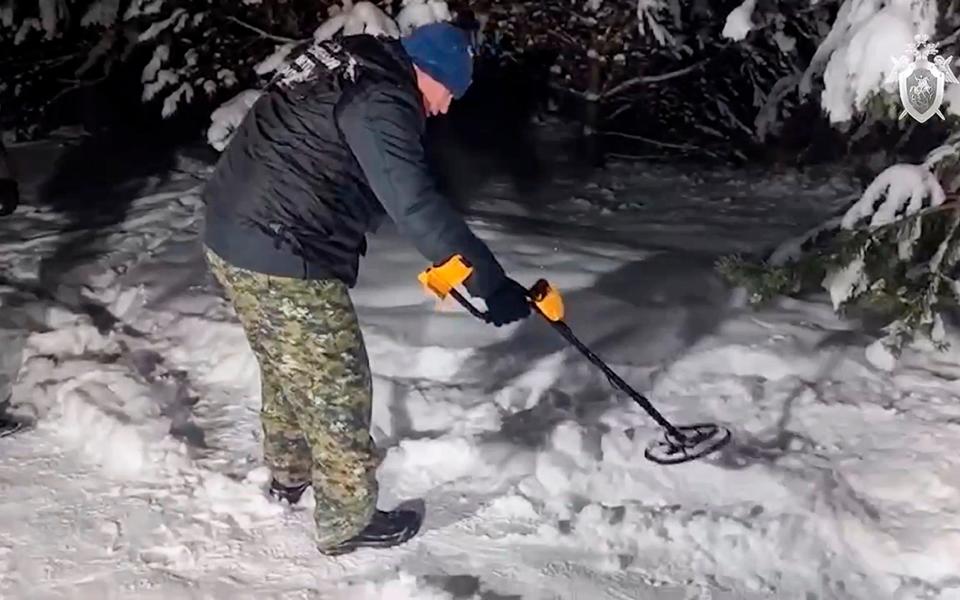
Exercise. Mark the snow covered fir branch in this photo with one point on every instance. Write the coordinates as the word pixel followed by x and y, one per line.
pixel 891 256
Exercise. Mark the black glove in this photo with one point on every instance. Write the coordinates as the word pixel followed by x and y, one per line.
pixel 508 303
pixel 9 196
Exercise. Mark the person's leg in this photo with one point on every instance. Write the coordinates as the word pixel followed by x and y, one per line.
pixel 9 424
pixel 333 395
pixel 285 449
pixel 318 384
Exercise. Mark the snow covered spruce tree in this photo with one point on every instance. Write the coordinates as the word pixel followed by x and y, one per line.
pixel 894 252
pixel 50 49
pixel 211 49
pixel 656 70
pixel 597 47
pixel 54 48
pixel 659 72
pixel 189 52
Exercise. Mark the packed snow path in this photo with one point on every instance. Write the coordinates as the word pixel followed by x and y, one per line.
pixel 143 479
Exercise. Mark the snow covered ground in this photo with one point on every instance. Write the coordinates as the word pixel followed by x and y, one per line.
pixel 142 479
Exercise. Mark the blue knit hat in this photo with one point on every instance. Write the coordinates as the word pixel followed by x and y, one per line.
pixel 442 51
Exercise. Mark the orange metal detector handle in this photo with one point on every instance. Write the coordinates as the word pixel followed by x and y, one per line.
pixel 547 300
pixel 441 279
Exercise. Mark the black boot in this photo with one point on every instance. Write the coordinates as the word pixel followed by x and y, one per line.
pixel 9 424
pixel 290 493
pixel 386 529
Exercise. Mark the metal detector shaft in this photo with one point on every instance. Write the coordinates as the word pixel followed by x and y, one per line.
pixel 615 379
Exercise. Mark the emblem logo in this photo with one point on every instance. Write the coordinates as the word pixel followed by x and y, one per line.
pixel 921 81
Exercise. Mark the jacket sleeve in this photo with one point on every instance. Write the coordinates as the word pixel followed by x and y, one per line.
pixel 385 134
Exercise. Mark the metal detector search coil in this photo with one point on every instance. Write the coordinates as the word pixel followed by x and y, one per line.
pixel 680 443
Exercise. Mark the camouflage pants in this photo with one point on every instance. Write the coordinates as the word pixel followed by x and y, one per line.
pixel 317 391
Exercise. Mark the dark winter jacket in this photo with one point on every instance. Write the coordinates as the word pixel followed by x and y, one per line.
pixel 334 145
